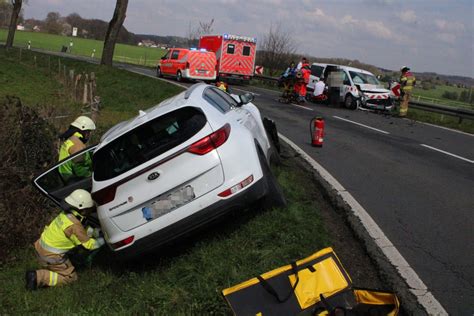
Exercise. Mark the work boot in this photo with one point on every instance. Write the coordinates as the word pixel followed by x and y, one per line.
pixel 30 277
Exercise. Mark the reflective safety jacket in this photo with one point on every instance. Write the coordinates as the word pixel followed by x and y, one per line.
pixel 407 81
pixel 66 232
pixel 78 169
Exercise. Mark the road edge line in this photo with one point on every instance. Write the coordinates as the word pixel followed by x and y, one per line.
pixel 413 292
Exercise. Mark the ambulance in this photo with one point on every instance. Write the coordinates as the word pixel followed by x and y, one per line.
pixel 192 64
pixel 235 55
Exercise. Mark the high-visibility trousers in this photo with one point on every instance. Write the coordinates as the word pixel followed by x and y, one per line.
pixel 404 103
pixel 57 268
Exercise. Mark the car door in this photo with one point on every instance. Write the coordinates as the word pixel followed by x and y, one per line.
pixel 54 185
pixel 174 61
pixel 165 63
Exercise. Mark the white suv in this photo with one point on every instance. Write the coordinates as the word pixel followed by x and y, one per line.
pixel 175 167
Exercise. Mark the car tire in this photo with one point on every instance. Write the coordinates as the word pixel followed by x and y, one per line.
pixel 179 76
pixel 272 135
pixel 159 74
pixel 274 197
pixel 350 102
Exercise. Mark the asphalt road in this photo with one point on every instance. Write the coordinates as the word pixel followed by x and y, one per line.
pixel 415 180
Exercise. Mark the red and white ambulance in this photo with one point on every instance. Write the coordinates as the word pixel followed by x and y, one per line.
pixel 183 63
pixel 235 55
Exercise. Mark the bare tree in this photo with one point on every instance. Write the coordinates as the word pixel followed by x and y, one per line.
pixel 276 48
pixel 194 32
pixel 112 32
pixel 13 21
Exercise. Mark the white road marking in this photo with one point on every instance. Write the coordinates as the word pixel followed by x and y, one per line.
pixel 414 283
pixel 257 94
pixel 303 107
pixel 360 124
pixel 448 153
pixel 448 129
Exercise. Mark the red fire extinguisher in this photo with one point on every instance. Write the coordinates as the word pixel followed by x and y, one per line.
pixel 316 128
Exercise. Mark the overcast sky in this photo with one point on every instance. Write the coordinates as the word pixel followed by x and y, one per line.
pixel 429 35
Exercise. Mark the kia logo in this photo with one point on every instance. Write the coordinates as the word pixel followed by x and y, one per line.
pixel 153 176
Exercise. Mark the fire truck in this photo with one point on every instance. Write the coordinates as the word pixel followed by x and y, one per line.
pixel 235 55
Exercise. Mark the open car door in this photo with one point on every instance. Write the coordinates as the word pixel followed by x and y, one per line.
pixel 56 185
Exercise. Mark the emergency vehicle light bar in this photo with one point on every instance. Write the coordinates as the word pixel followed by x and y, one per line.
pixel 240 38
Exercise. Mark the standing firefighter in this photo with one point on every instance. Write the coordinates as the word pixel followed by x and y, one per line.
pixel 63 234
pixel 74 140
pixel 407 82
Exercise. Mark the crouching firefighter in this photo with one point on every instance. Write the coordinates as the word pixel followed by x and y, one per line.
pixel 64 233
pixel 74 140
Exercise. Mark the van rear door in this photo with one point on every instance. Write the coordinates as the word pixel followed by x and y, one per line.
pixel 202 65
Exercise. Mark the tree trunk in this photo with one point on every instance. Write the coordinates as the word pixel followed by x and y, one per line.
pixel 112 32
pixel 11 31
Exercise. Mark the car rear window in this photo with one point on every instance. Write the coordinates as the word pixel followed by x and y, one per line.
pixel 246 51
pixel 230 48
pixel 146 142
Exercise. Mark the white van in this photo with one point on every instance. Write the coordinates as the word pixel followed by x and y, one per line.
pixel 360 87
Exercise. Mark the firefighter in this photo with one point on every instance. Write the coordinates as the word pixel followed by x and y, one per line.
pixel 74 140
pixel 64 233
pixel 407 82
pixel 222 85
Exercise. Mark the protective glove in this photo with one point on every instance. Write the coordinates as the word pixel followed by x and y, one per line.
pixel 100 242
pixel 93 232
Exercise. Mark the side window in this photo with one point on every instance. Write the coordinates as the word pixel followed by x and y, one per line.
pixel 345 79
pixel 246 51
pixel 167 55
pixel 230 48
pixel 175 54
pixel 316 71
pixel 219 99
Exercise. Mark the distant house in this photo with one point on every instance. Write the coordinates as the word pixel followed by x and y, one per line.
pixel 147 43
pixel 20 27
pixel 36 28
pixel 140 44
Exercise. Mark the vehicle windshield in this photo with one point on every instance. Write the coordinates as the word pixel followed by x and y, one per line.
pixel 361 78
pixel 146 142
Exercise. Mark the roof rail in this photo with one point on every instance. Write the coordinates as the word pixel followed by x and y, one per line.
pixel 191 89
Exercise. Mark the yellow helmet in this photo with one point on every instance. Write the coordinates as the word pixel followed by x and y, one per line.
pixel 80 199
pixel 84 123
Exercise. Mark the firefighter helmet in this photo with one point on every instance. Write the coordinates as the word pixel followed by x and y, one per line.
pixel 404 68
pixel 84 123
pixel 80 199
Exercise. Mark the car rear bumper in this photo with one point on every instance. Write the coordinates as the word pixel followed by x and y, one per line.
pixel 198 219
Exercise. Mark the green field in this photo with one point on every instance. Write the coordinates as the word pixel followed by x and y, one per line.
pixel 125 53
pixel 185 279
pixel 436 96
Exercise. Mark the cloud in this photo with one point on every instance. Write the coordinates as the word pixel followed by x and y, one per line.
pixel 407 16
pixel 448 26
pixel 446 37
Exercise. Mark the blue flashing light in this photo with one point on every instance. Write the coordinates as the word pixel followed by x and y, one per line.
pixel 203 50
pixel 226 36
pixel 193 48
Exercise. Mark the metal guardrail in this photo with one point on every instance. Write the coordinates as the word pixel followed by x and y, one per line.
pixel 462 113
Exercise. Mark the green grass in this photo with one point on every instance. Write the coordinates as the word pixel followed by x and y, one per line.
pixel 84 47
pixel 39 83
pixel 441 120
pixel 188 277
pixel 436 96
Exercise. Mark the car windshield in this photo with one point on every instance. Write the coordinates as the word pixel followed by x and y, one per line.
pixel 361 78
pixel 146 142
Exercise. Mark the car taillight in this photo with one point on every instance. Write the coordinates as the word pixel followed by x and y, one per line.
pixel 237 187
pixel 105 195
pixel 123 242
pixel 210 142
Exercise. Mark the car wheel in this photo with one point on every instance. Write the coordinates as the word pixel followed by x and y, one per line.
pixel 350 102
pixel 179 76
pixel 159 74
pixel 272 135
pixel 274 196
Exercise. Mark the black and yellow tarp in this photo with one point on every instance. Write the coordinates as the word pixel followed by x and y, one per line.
pixel 316 285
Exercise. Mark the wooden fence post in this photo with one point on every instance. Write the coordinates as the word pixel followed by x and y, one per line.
pixel 85 94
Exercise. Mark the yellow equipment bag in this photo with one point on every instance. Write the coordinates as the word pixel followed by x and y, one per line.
pixel 316 285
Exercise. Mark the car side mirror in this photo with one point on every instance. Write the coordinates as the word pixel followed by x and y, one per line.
pixel 246 98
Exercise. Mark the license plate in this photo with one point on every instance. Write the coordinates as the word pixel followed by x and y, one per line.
pixel 202 71
pixel 168 202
